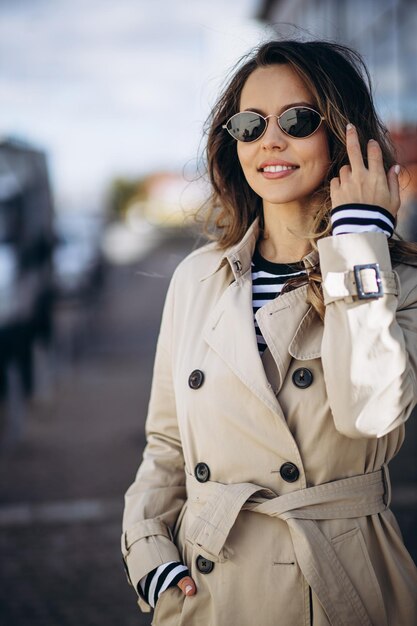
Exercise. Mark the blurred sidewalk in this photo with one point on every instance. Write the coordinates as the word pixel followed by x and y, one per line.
pixel 62 486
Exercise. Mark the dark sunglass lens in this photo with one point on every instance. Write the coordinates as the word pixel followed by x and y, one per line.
pixel 246 126
pixel 299 122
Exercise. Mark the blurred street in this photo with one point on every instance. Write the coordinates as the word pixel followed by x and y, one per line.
pixel 62 483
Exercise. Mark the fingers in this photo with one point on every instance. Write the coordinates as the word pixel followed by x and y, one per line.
pixel 375 160
pixel 187 586
pixel 374 153
pixel 334 191
pixel 357 184
pixel 353 148
pixel 394 189
pixel 377 170
pixel 344 172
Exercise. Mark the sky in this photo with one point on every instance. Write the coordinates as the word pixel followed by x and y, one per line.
pixel 116 88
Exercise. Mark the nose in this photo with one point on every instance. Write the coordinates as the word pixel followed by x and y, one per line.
pixel 273 136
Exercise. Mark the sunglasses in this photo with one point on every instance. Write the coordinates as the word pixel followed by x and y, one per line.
pixel 298 122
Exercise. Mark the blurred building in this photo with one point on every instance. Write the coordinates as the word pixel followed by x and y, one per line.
pixel 384 32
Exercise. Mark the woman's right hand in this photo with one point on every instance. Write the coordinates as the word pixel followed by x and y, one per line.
pixel 360 184
pixel 187 586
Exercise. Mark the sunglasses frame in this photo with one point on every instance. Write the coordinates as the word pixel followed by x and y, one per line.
pixel 266 118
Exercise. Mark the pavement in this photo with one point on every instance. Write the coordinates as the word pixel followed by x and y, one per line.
pixel 80 443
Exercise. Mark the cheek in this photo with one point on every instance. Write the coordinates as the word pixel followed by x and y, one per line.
pixel 316 158
pixel 245 154
pixel 324 151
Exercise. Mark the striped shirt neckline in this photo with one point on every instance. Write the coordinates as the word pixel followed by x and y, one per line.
pixel 268 279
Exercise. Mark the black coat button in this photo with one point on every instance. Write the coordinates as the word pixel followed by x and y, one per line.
pixel 302 377
pixel 202 472
pixel 289 472
pixel 204 565
pixel 196 379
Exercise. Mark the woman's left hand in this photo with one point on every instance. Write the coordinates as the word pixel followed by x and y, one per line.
pixel 357 184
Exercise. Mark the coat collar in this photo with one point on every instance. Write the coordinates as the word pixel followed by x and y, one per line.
pixel 239 256
pixel 289 323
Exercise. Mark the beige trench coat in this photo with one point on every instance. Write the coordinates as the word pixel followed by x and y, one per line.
pixel 315 545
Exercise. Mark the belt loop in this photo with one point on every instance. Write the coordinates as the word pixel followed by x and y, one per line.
pixel 387 485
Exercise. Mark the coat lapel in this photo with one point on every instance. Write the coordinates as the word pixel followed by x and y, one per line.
pixel 289 324
pixel 291 328
pixel 306 343
pixel 230 332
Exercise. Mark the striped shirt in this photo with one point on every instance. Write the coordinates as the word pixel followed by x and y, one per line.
pixel 359 218
pixel 267 281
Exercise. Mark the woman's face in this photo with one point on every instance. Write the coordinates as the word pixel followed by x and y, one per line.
pixel 272 90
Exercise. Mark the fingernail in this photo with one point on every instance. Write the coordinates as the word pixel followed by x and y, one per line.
pixel 349 126
pixel 372 141
pixel 397 169
pixel 188 589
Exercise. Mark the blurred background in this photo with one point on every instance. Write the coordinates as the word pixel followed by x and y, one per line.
pixel 102 108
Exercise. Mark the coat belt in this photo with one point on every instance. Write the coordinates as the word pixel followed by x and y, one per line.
pixel 217 505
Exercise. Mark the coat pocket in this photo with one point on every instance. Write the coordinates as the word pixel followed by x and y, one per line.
pixel 168 607
pixel 353 554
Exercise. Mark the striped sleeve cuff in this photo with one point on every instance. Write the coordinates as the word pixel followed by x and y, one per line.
pixel 159 579
pixel 361 218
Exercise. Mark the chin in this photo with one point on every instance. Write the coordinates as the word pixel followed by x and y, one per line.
pixel 285 196
pixel 281 198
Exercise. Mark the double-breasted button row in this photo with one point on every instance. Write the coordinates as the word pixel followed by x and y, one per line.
pixel 289 472
pixel 205 566
pixel 302 377
pixel 196 379
pixel 202 472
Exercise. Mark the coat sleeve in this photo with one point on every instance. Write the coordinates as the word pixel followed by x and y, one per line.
pixel 369 346
pixel 153 501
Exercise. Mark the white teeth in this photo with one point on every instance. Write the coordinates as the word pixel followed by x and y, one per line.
pixel 279 168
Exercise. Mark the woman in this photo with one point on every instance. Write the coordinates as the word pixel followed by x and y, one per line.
pixel 263 495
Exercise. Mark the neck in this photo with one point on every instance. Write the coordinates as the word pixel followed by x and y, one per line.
pixel 284 226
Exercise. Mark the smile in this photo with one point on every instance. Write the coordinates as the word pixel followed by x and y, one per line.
pixel 278 168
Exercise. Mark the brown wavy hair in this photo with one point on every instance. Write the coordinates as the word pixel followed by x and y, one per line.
pixel 340 84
